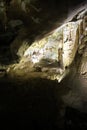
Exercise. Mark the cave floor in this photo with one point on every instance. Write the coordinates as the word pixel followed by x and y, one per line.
pixel 43 103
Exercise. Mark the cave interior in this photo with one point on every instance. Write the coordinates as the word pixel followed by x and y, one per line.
pixel 30 97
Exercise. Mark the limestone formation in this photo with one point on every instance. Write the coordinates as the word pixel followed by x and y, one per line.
pixel 70 42
pixel 54 53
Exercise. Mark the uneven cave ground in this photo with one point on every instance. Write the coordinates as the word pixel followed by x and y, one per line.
pixel 43 104
pixel 40 103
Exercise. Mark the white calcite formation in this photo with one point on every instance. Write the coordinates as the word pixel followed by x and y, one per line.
pixel 56 51
pixel 61 46
pixel 70 42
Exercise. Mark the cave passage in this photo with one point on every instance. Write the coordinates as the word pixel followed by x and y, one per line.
pixel 43 64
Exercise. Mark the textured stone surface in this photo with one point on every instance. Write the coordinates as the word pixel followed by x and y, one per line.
pixel 70 42
pixel 55 52
pixel 20 44
pixel 83 64
pixel 65 38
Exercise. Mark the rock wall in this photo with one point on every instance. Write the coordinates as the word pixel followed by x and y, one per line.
pixel 66 38
pixel 58 49
pixel 55 51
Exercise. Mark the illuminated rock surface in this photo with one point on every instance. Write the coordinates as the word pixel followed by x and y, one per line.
pixel 53 55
